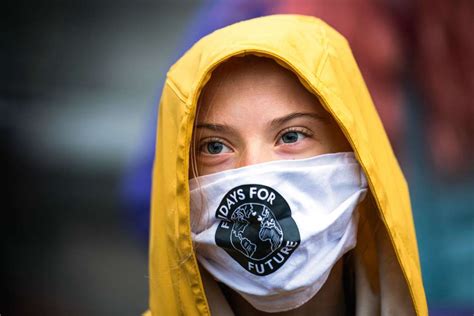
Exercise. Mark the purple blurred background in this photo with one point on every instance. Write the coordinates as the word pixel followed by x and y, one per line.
pixel 80 84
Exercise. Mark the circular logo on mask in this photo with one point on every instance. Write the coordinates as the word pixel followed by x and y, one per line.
pixel 256 228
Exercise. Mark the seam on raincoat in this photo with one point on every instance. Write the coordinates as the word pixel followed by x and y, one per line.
pixel 324 58
pixel 173 86
pixel 175 267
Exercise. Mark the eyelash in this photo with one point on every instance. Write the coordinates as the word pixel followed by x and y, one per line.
pixel 206 141
pixel 303 130
pixel 306 132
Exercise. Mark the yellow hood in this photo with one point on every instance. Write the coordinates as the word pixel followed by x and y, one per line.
pixel 323 61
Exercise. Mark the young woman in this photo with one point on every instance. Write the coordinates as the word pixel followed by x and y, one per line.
pixel 275 189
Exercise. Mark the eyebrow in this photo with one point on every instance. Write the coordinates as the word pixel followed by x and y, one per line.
pixel 285 119
pixel 215 127
pixel 221 128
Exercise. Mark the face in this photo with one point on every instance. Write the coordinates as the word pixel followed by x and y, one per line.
pixel 255 111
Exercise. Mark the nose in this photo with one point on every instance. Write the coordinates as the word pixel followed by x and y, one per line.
pixel 254 153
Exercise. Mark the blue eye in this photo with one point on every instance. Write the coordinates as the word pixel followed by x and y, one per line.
pixel 292 137
pixel 215 148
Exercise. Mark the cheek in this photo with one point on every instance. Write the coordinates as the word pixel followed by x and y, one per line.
pixel 306 148
pixel 213 164
pixel 334 140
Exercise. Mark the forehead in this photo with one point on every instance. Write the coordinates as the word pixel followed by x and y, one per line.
pixel 252 84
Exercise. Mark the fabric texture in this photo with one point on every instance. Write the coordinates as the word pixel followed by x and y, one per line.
pixel 387 270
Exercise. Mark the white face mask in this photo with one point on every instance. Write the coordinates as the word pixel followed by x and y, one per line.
pixel 273 231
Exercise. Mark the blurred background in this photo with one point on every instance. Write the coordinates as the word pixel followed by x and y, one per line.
pixel 80 83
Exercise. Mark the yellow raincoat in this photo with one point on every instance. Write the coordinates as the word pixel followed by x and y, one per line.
pixel 387 269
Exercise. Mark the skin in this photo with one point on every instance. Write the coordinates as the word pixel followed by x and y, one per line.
pixel 254 111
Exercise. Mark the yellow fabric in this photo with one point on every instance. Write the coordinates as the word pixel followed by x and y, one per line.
pixel 324 63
